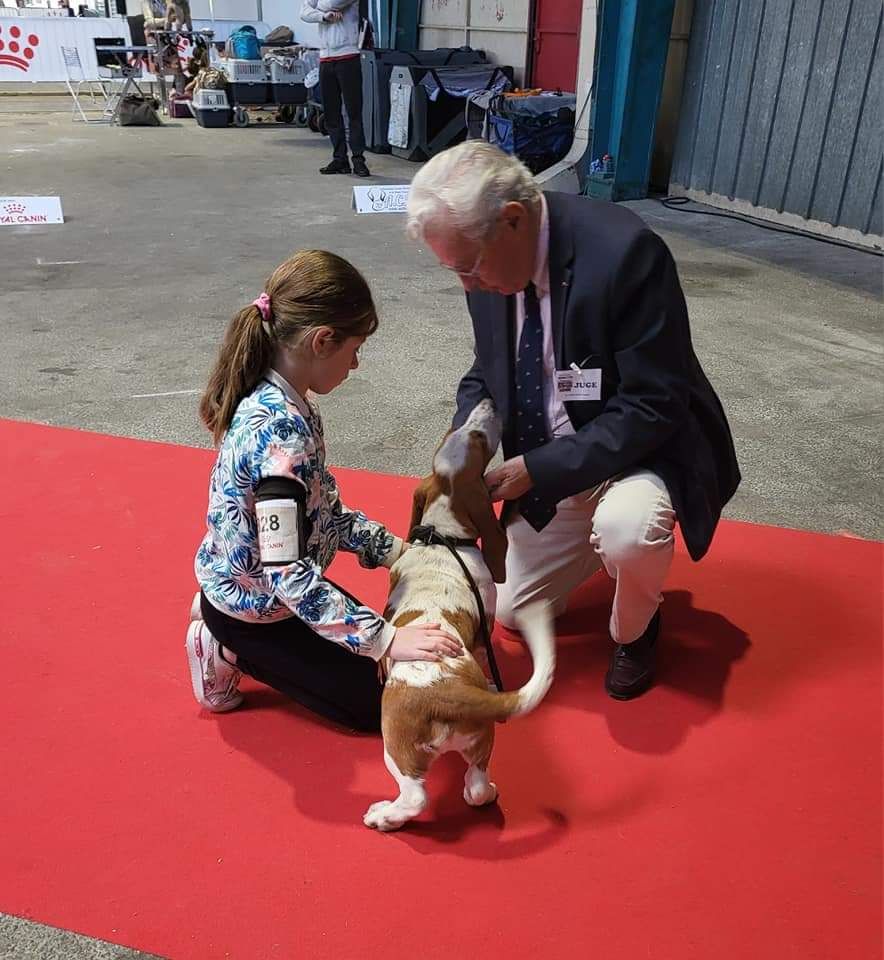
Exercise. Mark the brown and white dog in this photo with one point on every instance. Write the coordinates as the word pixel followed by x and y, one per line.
pixel 435 707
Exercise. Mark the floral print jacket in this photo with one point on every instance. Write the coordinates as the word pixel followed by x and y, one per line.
pixel 277 433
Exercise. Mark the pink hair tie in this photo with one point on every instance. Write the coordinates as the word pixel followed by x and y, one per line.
pixel 263 305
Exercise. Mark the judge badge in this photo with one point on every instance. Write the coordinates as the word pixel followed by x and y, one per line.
pixel 577 384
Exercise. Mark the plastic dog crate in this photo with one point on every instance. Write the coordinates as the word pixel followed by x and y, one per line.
pixel 293 71
pixel 288 93
pixel 211 109
pixel 287 81
pixel 248 81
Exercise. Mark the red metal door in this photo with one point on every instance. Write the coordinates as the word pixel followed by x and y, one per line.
pixel 556 44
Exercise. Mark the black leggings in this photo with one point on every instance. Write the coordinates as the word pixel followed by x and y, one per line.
pixel 288 656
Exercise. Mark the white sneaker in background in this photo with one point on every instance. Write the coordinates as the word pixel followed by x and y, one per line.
pixel 214 680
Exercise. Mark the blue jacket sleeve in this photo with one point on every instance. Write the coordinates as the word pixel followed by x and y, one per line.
pixel 470 391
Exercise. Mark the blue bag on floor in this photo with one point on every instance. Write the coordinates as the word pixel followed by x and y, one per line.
pixel 539 130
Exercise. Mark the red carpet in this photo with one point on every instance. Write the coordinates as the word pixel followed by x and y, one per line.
pixel 733 812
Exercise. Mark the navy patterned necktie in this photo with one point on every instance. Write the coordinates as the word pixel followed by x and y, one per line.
pixel 530 410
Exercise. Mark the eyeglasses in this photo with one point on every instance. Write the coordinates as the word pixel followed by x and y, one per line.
pixel 471 273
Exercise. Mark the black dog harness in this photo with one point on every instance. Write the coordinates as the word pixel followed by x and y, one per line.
pixel 430 537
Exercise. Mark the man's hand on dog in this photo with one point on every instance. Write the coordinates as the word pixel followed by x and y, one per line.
pixel 509 481
pixel 423 641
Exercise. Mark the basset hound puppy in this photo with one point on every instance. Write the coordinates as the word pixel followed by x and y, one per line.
pixel 434 707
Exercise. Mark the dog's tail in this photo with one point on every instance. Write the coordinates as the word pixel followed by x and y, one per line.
pixel 473 703
pixel 535 622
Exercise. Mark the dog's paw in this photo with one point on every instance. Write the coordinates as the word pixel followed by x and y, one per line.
pixel 381 816
pixel 375 810
pixel 480 794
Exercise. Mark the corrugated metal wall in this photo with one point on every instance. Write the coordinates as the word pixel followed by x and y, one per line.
pixel 782 113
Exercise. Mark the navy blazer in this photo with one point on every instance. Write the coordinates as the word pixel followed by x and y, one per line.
pixel 617 305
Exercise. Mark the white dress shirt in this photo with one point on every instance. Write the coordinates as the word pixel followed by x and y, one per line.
pixel 558 424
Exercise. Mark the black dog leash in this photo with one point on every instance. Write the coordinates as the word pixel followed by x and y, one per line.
pixel 431 537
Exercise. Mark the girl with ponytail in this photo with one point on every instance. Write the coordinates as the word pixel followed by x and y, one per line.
pixel 275 519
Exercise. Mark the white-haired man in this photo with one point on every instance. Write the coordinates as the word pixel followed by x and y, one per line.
pixel 612 432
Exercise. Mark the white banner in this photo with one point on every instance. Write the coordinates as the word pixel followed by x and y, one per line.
pixel 28 211
pixel 381 199
pixel 30 47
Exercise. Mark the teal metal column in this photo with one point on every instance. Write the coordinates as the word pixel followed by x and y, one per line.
pixel 379 14
pixel 406 16
pixel 633 45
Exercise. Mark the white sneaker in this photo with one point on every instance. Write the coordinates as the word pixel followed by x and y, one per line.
pixel 214 680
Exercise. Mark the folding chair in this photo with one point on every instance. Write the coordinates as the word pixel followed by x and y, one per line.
pixel 73 69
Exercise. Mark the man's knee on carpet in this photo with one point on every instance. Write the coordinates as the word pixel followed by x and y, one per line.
pixel 626 533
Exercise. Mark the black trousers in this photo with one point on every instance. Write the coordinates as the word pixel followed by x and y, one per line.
pixel 342 79
pixel 288 656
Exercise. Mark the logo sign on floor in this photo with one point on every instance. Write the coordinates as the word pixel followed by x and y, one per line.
pixel 381 199
pixel 24 211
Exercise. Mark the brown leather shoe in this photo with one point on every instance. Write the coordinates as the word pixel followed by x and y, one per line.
pixel 632 666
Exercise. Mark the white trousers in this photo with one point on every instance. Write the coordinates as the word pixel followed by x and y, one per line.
pixel 625 525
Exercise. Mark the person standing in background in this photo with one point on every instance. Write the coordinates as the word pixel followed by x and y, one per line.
pixel 340 79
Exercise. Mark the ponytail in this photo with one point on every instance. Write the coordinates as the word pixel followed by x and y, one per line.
pixel 312 288
pixel 245 356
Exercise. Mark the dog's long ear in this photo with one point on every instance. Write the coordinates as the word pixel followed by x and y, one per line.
pixel 418 504
pixel 478 503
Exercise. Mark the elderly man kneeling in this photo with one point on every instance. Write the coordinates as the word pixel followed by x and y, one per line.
pixel 612 432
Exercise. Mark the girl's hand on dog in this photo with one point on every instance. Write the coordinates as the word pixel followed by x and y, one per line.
pixel 425 641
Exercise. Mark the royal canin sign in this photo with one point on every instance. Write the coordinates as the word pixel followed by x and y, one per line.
pixel 16 49
pixel 28 211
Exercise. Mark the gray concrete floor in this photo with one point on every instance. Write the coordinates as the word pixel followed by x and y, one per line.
pixel 25 940
pixel 110 321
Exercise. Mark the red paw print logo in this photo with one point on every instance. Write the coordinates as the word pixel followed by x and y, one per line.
pixel 11 208
pixel 17 51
